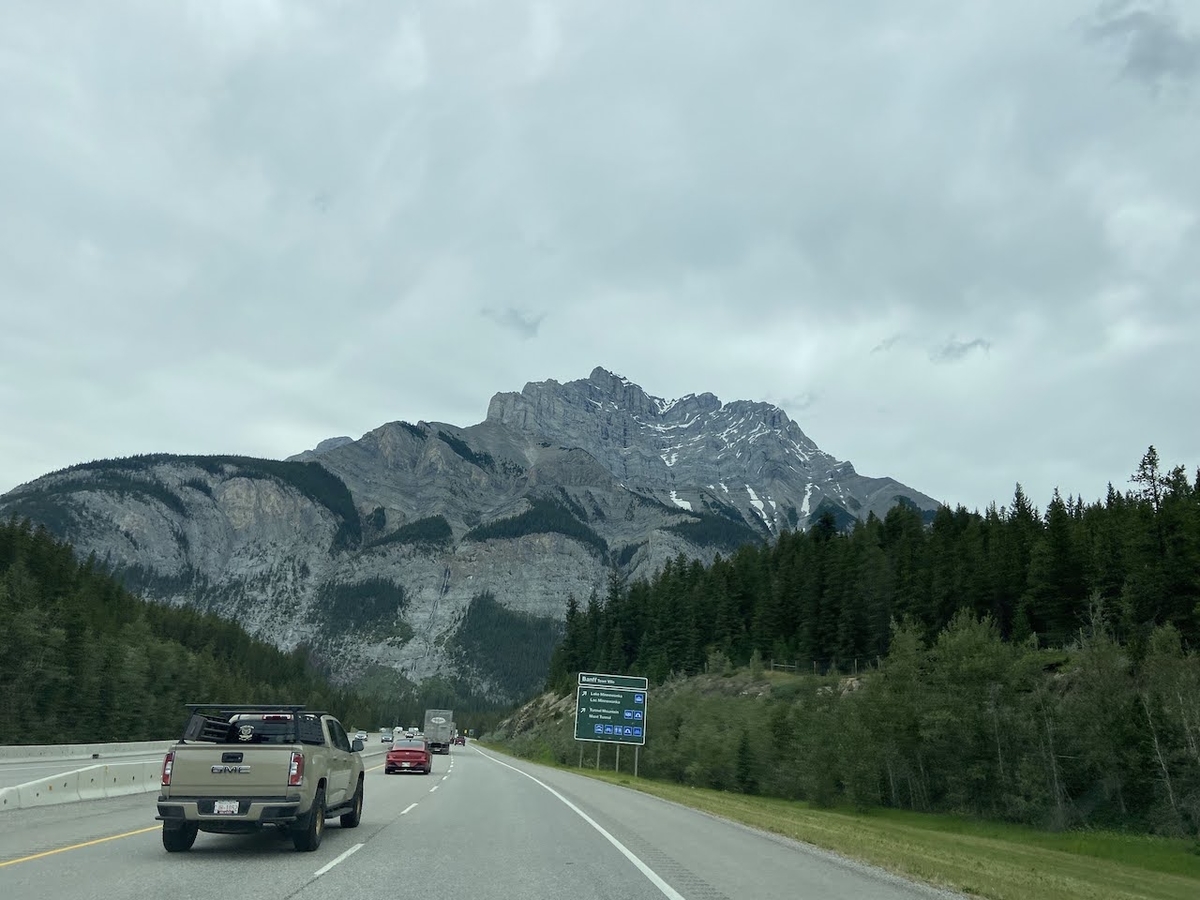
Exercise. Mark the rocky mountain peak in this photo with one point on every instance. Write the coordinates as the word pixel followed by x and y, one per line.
pixel 409 525
pixel 695 453
pixel 333 443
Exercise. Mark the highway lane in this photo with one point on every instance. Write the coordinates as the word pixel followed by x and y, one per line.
pixel 113 848
pixel 488 833
pixel 707 858
pixel 477 827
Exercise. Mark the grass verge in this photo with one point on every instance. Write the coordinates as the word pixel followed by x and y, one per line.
pixel 993 860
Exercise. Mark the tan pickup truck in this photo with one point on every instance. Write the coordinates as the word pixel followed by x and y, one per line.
pixel 240 768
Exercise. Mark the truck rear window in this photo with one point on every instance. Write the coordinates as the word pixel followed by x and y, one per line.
pixel 251 729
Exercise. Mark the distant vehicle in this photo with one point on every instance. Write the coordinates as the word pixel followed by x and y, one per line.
pixel 408 755
pixel 385 735
pixel 238 769
pixel 360 735
pixel 461 740
pixel 439 729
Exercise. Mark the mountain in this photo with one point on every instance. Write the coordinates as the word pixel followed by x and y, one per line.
pixel 397 551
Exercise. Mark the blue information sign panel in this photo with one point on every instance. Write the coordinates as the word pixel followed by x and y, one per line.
pixel 611 713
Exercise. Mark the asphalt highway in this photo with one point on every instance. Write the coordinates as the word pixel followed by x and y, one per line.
pixel 481 826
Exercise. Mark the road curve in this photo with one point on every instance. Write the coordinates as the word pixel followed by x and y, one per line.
pixel 481 826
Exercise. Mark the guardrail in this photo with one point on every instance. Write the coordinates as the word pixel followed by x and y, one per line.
pixel 35 752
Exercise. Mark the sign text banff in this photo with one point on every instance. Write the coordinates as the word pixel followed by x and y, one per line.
pixel 594 679
pixel 610 709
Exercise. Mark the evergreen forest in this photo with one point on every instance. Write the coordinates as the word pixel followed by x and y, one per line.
pixel 83 660
pixel 1027 666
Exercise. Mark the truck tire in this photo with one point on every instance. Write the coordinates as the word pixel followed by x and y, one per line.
pixel 352 818
pixel 308 835
pixel 178 838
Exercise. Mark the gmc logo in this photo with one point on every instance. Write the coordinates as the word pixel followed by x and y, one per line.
pixel 231 770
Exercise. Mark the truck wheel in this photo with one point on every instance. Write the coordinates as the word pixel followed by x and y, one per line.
pixel 178 838
pixel 308 835
pixel 352 818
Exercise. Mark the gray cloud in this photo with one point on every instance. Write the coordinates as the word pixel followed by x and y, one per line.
pixel 217 208
pixel 791 404
pixel 1156 45
pixel 523 324
pixel 887 343
pixel 953 349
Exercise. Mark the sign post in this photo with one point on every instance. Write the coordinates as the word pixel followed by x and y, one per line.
pixel 611 709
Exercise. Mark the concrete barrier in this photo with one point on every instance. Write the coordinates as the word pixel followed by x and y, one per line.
pixel 121 779
pixel 91 783
pixel 62 788
pixel 35 752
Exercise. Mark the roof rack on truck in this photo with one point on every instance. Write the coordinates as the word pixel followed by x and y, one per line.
pixel 209 722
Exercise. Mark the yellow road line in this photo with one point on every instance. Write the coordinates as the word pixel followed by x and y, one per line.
pixel 13 862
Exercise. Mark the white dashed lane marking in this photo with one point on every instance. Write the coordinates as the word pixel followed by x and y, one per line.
pixel 329 865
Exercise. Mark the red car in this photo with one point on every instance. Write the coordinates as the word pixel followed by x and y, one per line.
pixel 409 755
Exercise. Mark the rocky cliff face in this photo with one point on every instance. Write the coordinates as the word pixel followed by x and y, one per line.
pixel 375 550
pixel 697 453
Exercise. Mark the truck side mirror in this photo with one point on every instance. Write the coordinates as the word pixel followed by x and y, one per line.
pixel 357 745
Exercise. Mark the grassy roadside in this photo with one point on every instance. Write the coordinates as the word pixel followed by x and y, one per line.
pixel 987 859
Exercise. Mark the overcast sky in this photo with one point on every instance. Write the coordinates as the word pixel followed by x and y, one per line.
pixel 958 243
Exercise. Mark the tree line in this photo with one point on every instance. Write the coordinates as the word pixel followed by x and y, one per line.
pixel 1037 667
pixel 968 724
pixel 829 597
pixel 84 660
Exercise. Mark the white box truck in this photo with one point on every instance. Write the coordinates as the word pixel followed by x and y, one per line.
pixel 439 729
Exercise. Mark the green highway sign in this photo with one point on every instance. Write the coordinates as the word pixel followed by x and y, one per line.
pixel 592 679
pixel 613 715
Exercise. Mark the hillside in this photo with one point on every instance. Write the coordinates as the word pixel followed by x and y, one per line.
pixel 1040 669
pixel 81 655
pixel 969 724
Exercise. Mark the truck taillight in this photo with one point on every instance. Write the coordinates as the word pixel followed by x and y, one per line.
pixel 296 770
pixel 168 762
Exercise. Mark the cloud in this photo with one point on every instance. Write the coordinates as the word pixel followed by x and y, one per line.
pixel 954 350
pixel 793 403
pixel 1157 46
pixel 523 324
pixel 887 343
pixel 215 208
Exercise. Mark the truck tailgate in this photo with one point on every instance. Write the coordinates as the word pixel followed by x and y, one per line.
pixel 207 770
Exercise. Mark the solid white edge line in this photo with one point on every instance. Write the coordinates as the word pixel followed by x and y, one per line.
pixel 329 865
pixel 655 879
pixel 408 809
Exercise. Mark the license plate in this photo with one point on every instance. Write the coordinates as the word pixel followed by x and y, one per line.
pixel 225 807
pixel 405 765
